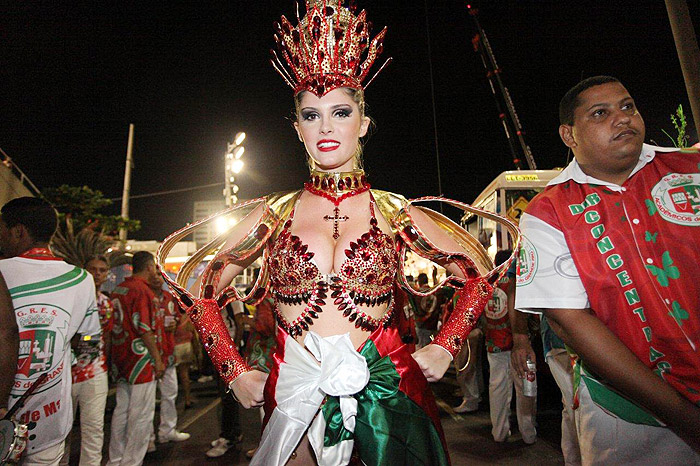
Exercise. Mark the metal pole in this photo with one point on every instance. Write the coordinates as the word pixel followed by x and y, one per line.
pixel 688 53
pixel 501 114
pixel 127 181
pixel 493 73
pixel 432 95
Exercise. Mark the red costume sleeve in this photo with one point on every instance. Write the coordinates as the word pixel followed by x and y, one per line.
pixel 206 317
pixel 471 302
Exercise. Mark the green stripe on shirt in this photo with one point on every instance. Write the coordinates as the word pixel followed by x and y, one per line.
pixel 67 280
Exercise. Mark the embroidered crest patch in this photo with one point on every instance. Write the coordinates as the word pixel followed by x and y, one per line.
pixel 498 305
pixel 677 198
pixel 527 263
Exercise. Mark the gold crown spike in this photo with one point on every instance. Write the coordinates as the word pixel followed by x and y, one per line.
pixel 329 48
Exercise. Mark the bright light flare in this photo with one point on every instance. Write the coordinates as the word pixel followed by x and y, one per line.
pixel 237 166
pixel 222 224
pixel 238 152
pixel 239 138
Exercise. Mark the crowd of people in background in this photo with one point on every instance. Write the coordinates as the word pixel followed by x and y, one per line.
pixel 142 344
pixel 139 336
pixel 494 335
pixel 134 339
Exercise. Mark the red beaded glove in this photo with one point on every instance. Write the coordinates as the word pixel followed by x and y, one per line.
pixel 206 317
pixel 470 304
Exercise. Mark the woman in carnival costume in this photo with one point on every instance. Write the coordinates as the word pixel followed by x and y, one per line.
pixel 343 387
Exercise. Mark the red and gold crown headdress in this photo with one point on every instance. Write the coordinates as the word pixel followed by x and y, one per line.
pixel 330 48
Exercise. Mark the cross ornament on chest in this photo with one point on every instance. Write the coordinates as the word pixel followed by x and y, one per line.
pixel 336 218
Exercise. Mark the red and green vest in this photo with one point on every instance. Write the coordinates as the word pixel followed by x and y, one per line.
pixel 637 251
pixel 135 313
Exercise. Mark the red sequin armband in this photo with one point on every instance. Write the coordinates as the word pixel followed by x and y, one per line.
pixel 212 330
pixel 470 304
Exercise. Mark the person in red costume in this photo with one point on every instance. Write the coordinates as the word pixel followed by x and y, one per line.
pixel 343 384
pixel 169 312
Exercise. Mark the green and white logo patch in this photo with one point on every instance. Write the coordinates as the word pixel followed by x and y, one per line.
pixel 527 263
pixel 677 198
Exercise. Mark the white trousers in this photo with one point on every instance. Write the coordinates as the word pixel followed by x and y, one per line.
pixel 560 367
pixel 132 422
pixel 470 379
pixel 501 382
pixel 605 439
pixel 167 386
pixel 50 456
pixel 91 396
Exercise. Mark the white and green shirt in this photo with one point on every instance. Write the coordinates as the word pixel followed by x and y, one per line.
pixel 53 301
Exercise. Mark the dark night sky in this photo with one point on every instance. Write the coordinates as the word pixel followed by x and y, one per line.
pixel 189 75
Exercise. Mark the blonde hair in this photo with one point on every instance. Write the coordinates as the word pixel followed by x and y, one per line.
pixel 358 96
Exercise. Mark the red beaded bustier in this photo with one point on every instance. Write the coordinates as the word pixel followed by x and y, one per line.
pixel 365 278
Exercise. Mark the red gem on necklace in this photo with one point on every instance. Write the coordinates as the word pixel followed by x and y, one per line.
pixel 335 200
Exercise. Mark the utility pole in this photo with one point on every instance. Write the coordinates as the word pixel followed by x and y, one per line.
pixel 688 53
pixel 127 181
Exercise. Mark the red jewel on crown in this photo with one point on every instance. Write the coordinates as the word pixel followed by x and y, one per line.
pixel 329 48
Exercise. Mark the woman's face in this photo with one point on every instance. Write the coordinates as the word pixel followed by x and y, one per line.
pixel 330 127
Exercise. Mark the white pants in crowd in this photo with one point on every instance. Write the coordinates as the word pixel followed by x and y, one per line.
pixel 605 439
pixel 167 386
pixel 560 366
pixel 501 382
pixel 470 379
pixel 91 396
pixel 132 422
pixel 49 457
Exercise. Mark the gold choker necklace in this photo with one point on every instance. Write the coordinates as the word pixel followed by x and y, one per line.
pixel 338 183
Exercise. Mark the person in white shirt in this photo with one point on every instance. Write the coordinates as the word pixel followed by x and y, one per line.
pixel 9 335
pixel 53 302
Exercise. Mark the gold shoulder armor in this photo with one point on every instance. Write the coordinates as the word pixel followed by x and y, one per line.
pixel 276 206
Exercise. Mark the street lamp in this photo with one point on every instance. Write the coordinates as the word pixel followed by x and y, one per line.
pixel 232 166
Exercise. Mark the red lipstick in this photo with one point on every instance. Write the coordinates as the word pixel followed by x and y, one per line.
pixel 327 145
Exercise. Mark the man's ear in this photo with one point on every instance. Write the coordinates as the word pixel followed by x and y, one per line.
pixel 19 232
pixel 566 133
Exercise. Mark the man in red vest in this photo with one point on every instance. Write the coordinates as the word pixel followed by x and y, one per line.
pixel 610 256
pixel 136 338
pixel 168 311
